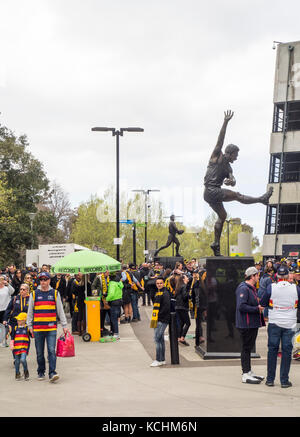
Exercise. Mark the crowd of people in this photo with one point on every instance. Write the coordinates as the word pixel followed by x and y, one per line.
pixel 269 296
pixel 182 290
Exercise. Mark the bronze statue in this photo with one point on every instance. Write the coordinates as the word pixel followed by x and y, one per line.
pixel 172 236
pixel 219 171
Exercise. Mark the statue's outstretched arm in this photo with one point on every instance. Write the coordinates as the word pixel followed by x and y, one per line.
pixel 217 150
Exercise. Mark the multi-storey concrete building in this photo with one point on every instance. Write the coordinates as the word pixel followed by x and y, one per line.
pixel 282 228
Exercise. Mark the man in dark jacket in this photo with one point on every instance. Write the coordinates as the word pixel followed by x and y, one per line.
pixel 160 320
pixel 248 320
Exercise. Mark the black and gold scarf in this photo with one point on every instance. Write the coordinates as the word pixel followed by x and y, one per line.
pixel 156 308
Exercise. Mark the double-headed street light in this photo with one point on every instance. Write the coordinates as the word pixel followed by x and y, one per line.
pixel 116 133
pixel 146 194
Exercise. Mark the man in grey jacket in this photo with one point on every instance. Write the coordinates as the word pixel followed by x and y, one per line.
pixel 44 308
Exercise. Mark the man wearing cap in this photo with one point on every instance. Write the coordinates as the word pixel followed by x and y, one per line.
pixel 44 307
pixel 248 320
pixel 282 299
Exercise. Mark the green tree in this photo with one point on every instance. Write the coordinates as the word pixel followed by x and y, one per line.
pixel 27 187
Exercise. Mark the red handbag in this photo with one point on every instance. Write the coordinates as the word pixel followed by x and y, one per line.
pixel 65 346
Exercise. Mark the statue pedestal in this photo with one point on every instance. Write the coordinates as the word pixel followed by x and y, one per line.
pixel 169 261
pixel 222 339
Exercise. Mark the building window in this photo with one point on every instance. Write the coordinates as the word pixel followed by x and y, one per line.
pixel 288 119
pixel 288 219
pixel 278 118
pixel 271 219
pixel 290 167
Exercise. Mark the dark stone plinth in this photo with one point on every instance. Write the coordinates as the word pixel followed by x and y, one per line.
pixel 168 261
pixel 224 274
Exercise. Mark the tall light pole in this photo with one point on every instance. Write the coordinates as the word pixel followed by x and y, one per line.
pixel 117 133
pixel 233 221
pixel 31 218
pixel 146 194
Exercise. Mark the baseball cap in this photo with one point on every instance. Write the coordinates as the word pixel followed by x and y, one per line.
pixel 251 271
pixel 21 316
pixel 44 274
pixel 282 270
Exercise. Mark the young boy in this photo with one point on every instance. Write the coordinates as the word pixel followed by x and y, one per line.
pixel 20 342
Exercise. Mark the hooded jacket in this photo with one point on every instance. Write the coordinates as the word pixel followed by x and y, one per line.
pixel 247 311
pixel 115 292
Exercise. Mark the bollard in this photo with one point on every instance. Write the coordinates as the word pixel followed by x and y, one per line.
pixel 173 337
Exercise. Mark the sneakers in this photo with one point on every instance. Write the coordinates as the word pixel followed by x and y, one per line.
pixel 286 384
pixel 270 383
pixel 163 363
pixel 249 379
pixel 41 377
pixel 54 377
pixel 184 342
pixel 156 363
pixel 18 376
pixel 26 375
pixel 261 378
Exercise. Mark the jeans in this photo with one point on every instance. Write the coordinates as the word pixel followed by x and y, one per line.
pixel 160 340
pixel 50 337
pixel 114 314
pixel 134 304
pixel 21 359
pixel 248 337
pixel 275 334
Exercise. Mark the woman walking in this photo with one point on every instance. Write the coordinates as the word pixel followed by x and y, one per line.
pixel 6 291
pixel 182 308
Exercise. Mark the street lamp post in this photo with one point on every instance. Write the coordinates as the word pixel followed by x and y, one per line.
pixel 146 194
pixel 117 133
pixel 234 221
pixel 31 218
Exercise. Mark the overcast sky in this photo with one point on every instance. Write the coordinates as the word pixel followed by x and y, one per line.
pixel 170 66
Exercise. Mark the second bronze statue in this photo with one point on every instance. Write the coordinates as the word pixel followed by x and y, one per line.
pixel 172 236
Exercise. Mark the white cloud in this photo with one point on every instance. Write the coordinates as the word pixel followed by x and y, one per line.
pixel 170 67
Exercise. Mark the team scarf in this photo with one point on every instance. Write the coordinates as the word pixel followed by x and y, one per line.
pixel 75 297
pixel 30 284
pixel 169 286
pixel 133 285
pixel 190 295
pixel 104 283
pixel 156 308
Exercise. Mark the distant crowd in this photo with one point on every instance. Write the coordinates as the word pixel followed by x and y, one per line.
pixel 182 290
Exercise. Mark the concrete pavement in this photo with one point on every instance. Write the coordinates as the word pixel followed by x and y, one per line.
pixel 115 379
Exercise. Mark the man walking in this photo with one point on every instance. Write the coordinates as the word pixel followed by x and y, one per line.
pixel 248 320
pixel 160 320
pixel 282 300
pixel 44 307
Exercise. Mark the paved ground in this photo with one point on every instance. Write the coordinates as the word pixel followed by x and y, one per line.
pixel 114 379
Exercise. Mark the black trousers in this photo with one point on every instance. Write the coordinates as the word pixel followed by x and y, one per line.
pixel 184 322
pixel 248 337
